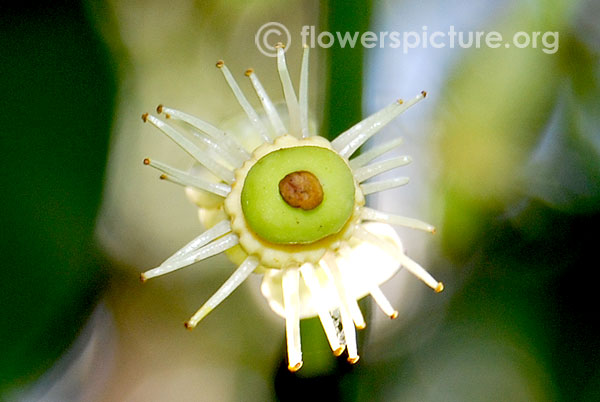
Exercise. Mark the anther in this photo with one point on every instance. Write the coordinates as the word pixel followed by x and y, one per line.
pixel 439 288
pixel 295 367
pixel 353 360
pixel 159 109
pixel 220 63
pixel 146 161
pixel 424 93
pixel 249 72
pixel 145 117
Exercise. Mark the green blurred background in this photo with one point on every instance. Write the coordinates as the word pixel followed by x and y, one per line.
pixel 514 136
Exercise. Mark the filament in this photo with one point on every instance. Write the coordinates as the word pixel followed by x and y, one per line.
pixel 186 179
pixel 291 305
pixel 349 141
pixel 252 115
pixel 383 302
pixel 328 264
pixel 377 186
pixel 368 156
pixel 188 146
pixel 268 106
pixel 225 140
pixel 235 280
pixel 288 92
pixel 303 96
pixel 213 248
pixel 316 291
pixel 366 172
pixel 378 216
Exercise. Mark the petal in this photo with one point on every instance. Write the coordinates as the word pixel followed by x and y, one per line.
pixel 362 265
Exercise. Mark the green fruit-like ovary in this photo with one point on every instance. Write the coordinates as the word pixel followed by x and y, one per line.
pixel 272 219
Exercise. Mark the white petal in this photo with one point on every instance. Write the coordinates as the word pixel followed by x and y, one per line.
pixel 365 265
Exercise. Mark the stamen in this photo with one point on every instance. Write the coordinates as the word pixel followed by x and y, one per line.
pixel 374 152
pixel 216 247
pixel 218 149
pixel 303 97
pixel 337 322
pixel 209 235
pixel 307 271
pixel 404 260
pixel 186 179
pixel 252 115
pixel 366 172
pixel 291 305
pixel 270 110
pixel 327 262
pixel 288 92
pixel 377 186
pixel 353 307
pixel 369 214
pixel 235 280
pixel 349 141
pixel 383 302
pixel 225 140
pixel 192 149
pixel 420 273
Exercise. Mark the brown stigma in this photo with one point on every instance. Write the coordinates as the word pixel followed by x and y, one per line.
pixel 301 189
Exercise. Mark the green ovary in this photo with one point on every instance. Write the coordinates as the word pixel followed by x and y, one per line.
pixel 270 216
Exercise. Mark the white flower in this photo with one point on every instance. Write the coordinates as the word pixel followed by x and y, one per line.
pixel 290 205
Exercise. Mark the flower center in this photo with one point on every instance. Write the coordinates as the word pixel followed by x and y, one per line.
pixel 301 190
pixel 298 195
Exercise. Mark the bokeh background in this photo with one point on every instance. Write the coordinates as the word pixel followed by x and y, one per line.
pixel 506 156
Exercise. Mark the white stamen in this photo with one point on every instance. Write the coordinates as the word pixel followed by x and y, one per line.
pixel 366 172
pixel 369 214
pixel 252 115
pixel 214 248
pixel 289 93
pixel 227 141
pixel 217 148
pixel 374 152
pixel 383 302
pixel 328 262
pixel 270 110
pixel 377 186
pixel 420 273
pixel 235 280
pixel 209 235
pixel 404 260
pixel 303 96
pixel 192 149
pixel 291 305
pixel 185 179
pixel 353 307
pixel 307 271
pixel 349 141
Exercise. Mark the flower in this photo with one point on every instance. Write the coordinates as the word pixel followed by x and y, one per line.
pixel 290 205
